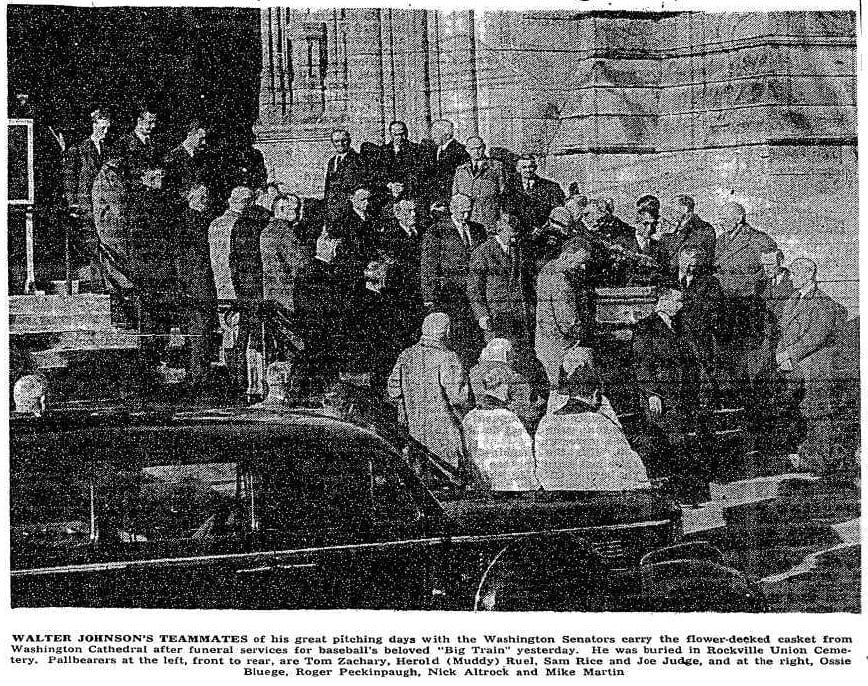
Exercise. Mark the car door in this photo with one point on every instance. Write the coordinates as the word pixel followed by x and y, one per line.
pixel 397 568
pixel 116 518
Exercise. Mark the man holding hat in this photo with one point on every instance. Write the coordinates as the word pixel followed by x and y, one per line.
pixel 430 388
pixel 497 283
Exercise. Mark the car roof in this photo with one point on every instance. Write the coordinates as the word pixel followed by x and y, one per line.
pixel 81 438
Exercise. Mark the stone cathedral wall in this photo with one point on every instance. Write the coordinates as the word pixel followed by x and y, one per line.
pixel 756 107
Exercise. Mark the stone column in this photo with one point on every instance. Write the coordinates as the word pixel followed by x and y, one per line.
pixel 365 76
pixel 458 72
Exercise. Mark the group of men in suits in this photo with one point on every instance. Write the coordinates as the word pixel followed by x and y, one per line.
pixel 504 250
pixel 745 327
pixel 439 226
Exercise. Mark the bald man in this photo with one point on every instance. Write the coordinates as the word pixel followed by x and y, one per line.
pixel 739 269
pixel 482 179
pixel 810 321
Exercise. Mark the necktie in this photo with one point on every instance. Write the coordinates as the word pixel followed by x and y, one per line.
pixel 465 235
pixel 684 283
pixel 439 150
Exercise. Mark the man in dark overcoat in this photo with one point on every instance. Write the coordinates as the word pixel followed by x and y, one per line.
pixel 446 250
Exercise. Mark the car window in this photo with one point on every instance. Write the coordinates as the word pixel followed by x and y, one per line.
pixel 313 493
pixel 392 500
pixel 49 513
pixel 169 502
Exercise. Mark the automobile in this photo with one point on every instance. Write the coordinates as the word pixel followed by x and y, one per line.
pixel 255 508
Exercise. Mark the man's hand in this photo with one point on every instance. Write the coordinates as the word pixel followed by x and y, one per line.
pixel 655 405
pixel 577 356
pixel 485 323
pixel 785 364
pixel 395 188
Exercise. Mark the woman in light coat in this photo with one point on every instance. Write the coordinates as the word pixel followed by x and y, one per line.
pixel 430 388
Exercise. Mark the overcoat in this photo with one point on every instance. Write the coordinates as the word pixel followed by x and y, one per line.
pixel 737 261
pixel 485 186
pixel 562 319
pixel 809 330
pixel 430 388
pixel 110 208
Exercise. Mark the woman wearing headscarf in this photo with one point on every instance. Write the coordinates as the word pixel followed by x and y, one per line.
pixel 498 353
pixel 499 446
pixel 430 388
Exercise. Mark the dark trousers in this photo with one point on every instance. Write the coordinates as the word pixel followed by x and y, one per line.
pixel 198 323
pixel 678 444
pixel 84 255
pixel 249 335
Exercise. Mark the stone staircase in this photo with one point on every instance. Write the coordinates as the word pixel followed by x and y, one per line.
pixel 68 323
pixel 73 340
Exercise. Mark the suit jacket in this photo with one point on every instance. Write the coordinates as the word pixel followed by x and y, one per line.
pixel 376 328
pixel 182 171
pixel 405 167
pixel 245 258
pixel 665 365
pixel 485 186
pixel 362 235
pixel 81 165
pixel 341 179
pixel 533 207
pixel 193 259
pixel 111 217
pixel 283 257
pixel 638 273
pixel 563 319
pixel 446 262
pixel 219 244
pixel 496 283
pixel 700 317
pixel 774 298
pixel 140 156
pixel 737 260
pixel 441 172
pixel 403 279
pixel 809 331
pixel 694 231
pixel 321 312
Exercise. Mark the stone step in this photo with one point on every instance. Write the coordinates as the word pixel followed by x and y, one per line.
pixel 723 496
pixel 748 491
pixel 59 313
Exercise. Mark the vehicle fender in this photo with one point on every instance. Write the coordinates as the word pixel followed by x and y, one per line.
pixel 560 572
pixel 691 550
pixel 698 586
